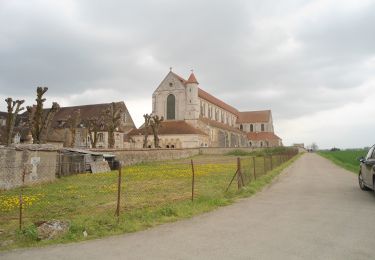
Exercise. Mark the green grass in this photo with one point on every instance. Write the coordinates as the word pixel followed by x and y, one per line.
pixel 261 152
pixel 152 193
pixel 347 159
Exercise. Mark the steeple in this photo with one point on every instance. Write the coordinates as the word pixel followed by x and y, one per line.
pixel 192 79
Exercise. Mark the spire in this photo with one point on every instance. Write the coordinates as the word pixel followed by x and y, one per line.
pixel 192 78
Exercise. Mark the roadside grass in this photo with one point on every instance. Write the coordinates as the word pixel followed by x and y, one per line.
pixel 348 159
pixel 152 194
pixel 260 152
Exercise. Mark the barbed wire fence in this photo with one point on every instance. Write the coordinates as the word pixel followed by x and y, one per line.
pixel 80 197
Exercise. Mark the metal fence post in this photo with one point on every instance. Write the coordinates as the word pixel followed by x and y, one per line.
pixel 192 180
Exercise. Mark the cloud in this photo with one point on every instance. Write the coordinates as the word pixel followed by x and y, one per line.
pixel 298 58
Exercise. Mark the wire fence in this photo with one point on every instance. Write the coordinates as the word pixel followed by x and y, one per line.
pixel 80 198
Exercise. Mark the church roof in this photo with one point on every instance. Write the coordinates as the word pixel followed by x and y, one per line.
pixel 258 136
pixel 220 125
pixel 206 96
pixel 192 79
pixel 170 127
pixel 254 116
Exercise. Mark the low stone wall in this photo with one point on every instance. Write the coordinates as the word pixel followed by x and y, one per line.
pixel 218 150
pixel 36 162
pixel 129 157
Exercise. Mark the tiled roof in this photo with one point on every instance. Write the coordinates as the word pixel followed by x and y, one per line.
pixel 3 114
pixel 86 112
pixel 254 116
pixel 170 128
pixel 220 125
pixel 257 136
pixel 208 97
pixel 192 79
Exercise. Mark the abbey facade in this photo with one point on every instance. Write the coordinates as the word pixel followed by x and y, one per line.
pixel 195 118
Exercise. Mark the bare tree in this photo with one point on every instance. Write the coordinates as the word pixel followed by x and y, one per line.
pixel 113 121
pixel 14 107
pixel 39 123
pixel 155 125
pixel 73 121
pixel 147 118
pixel 94 125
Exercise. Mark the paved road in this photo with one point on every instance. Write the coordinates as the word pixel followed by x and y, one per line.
pixel 314 210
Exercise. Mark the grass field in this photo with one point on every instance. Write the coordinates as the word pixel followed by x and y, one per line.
pixel 347 159
pixel 152 193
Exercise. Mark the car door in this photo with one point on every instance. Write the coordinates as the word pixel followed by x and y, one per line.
pixel 368 167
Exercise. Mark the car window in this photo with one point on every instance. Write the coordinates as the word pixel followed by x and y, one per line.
pixel 373 153
pixel 369 154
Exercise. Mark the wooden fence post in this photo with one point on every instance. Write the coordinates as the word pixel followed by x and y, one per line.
pixel 118 192
pixel 192 180
pixel 239 183
pixel 271 162
pixel 264 164
pixel 255 176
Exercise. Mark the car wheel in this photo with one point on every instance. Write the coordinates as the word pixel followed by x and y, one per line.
pixel 361 182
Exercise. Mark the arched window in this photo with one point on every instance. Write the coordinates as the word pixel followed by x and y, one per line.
pixel 262 127
pixel 241 127
pixel 171 107
pixel 251 128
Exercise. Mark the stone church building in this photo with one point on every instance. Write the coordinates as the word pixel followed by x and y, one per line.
pixel 195 118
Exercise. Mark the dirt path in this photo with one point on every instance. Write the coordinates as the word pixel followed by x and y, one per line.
pixel 315 210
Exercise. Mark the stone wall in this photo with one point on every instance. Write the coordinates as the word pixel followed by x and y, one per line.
pixel 37 162
pixel 129 157
pixel 217 150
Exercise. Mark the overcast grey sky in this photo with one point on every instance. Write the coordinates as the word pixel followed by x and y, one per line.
pixel 311 62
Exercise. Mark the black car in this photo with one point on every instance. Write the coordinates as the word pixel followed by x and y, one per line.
pixel 366 177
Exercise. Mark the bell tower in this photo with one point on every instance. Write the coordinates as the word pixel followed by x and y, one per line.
pixel 192 100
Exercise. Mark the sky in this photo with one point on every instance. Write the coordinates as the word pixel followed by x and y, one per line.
pixel 311 62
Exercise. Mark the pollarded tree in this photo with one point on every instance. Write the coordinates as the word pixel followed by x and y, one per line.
pixel 155 124
pixel 39 122
pixel 147 118
pixel 94 125
pixel 73 121
pixel 14 107
pixel 113 121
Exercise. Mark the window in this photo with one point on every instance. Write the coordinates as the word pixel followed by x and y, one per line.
pixel 262 127
pixel 171 107
pixel 241 127
pixel 170 84
pixel 100 137
pixel 251 128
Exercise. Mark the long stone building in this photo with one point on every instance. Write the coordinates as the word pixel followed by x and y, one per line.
pixel 195 118
pixel 61 132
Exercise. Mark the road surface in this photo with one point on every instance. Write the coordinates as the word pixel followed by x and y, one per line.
pixel 314 210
